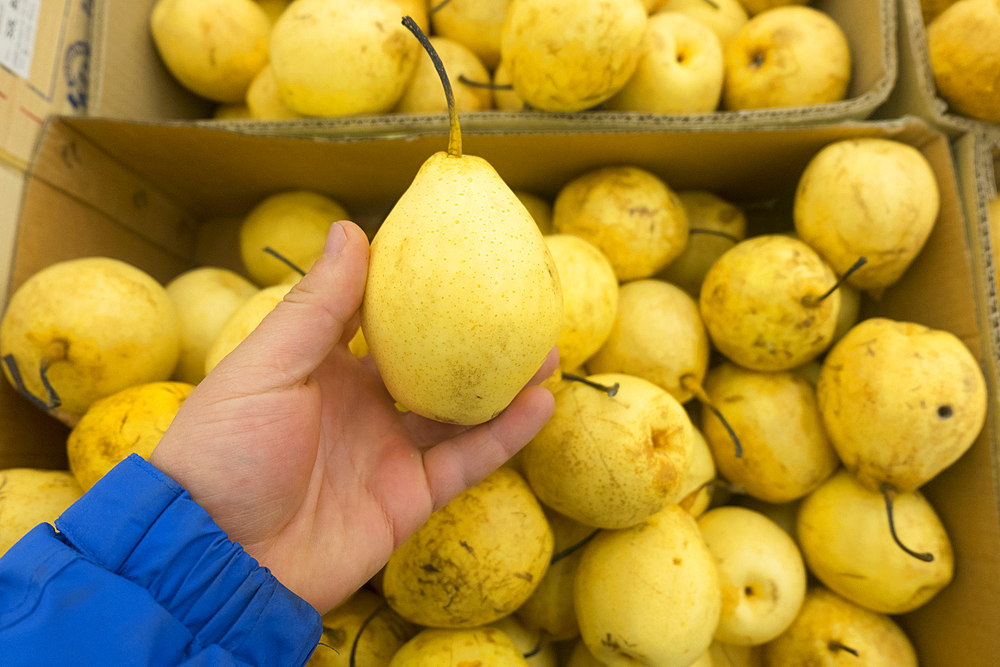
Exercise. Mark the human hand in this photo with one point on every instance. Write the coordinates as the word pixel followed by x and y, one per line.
pixel 297 451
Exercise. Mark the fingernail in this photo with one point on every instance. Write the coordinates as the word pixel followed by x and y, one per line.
pixel 335 240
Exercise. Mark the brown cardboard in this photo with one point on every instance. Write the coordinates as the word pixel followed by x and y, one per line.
pixel 168 197
pixel 916 92
pixel 58 81
pixel 129 81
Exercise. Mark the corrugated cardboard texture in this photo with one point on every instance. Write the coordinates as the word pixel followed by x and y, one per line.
pixel 916 92
pixel 129 81
pixel 58 82
pixel 196 183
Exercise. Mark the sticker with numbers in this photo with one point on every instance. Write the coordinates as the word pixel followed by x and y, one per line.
pixel 18 24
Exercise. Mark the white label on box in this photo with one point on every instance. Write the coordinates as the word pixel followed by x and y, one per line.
pixel 18 25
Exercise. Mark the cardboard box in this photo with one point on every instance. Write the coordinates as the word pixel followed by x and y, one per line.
pixel 916 92
pixel 167 198
pixel 52 56
pixel 129 81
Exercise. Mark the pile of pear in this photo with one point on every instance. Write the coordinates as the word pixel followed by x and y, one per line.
pixel 693 359
pixel 270 59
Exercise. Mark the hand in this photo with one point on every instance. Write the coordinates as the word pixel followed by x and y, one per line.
pixel 296 449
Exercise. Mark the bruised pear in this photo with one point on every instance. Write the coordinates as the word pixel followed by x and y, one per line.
pixel 475 560
pixel 611 461
pixel 463 301
pixel 761 303
pixel 900 402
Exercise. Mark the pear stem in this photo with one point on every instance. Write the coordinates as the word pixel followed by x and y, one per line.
pixel 811 302
pixel 889 493
pixel 479 84
pixel 330 647
pixel 455 132
pixel 610 391
pixel 438 6
pixel 284 260
pixel 538 647
pixel 707 2
pixel 56 352
pixel 837 646
pixel 357 638
pixel 568 551
pixel 698 230
pixel 688 383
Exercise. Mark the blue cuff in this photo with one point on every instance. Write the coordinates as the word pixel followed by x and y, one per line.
pixel 140 524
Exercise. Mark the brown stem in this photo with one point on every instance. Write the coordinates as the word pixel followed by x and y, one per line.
pixel 538 647
pixel 889 493
pixel 812 302
pixel 479 84
pixel 690 384
pixel 455 132
pixel 284 260
pixel 610 391
pixel 699 230
pixel 357 638
pixel 568 551
pixel 837 646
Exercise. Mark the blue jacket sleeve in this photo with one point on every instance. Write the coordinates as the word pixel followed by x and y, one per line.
pixel 139 574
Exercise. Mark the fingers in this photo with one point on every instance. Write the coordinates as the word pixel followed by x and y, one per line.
pixel 463 461
pixel 313 317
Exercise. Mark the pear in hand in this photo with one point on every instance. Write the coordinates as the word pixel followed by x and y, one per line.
pixel 463 300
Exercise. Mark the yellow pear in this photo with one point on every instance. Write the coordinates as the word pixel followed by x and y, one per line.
pixel 361 631
pixel 784 515
pixel 550 607
pixel 582 657
pixel 696 494
pixel 534 646
pixel 680 70
pixel 205 298
pixel 480 647
pixel 264 101
pixel 786 57
pixel 729 655
pixel 715 227
pixel 129 422
pixel 244 320
pixel 463 301
pixel 723 17
pixel 374 56
pixel 590 297
pixel 755 7
pixel 961 43
pixel 611 461
pixel 761 572
pixel 650 313
pixel 417 10
pixel 871 198
pixel 475 560
pixel 830 632
pixel 630 214
pixel 475 23
pixel 847 544
pixel 931 9
pixel 649 594
pixel 900 402
pixel 505 97
pixel 358 345
pixel 214 48
pixel 423 93
pixel 569 55
pixel 232 112
pixel 761 303
pixel 539 209
pixel 850 309
pixel 273 8
pixel 786 453
pixel 97 324
pixel 295 224
pixel 29 496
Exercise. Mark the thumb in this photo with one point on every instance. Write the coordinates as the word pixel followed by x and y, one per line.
pixel 303 329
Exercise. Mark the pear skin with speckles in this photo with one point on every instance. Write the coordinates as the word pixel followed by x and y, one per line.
pixel 463 300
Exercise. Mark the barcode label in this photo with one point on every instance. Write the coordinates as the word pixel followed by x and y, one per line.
pixel 18 24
